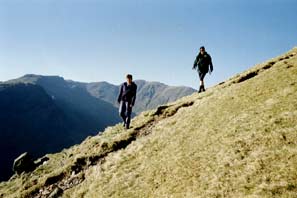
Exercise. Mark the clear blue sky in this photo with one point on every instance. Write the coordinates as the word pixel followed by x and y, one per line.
pixel 155 40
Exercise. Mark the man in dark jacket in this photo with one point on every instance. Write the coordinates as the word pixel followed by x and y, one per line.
pixel 126 99
pixel 203 63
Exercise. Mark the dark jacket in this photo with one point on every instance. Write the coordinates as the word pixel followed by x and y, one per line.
pixel 203 62
pixel 128 93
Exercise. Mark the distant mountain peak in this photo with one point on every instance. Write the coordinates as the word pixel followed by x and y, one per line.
pixel 42 76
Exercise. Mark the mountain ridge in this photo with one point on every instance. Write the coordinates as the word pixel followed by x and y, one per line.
pixel 150 93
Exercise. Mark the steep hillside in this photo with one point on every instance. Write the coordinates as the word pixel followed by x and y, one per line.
pixel 238 139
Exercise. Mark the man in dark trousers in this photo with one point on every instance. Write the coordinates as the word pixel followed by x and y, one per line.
pixel 126 99
pixel 203 64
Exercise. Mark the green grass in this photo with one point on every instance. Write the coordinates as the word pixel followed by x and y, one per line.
pixel 238 139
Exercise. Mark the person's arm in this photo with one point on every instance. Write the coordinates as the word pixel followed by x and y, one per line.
pixel 195 63
pixel 134 96
pixel 210 64
pixel 120 94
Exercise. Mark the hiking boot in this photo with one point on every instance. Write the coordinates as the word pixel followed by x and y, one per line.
pixel 127 126
pixel 202 88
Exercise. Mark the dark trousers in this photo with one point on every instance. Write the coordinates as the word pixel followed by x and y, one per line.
pixel 202 75
pixel 125 111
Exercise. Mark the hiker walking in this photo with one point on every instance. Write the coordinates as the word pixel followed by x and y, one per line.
pixel 203 64
pixel 126 100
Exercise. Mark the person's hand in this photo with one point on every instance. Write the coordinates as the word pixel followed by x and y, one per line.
pixel 131 105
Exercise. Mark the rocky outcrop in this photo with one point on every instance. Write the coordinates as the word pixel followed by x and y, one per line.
pixel 23 163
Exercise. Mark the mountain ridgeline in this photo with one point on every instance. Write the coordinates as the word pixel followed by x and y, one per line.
pixel 44 114
pixel 149 94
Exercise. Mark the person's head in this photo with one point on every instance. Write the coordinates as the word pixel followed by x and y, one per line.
pixel 129 78
pixel 202 49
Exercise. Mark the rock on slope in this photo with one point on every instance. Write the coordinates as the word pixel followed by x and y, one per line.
pixel 238 139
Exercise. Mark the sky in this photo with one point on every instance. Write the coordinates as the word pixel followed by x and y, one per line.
pixel 155 40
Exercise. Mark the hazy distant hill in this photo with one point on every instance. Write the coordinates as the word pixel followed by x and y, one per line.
pixel 149 94
pixel 237 139
pixel 75 101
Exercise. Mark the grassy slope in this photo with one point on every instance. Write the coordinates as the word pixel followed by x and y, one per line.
pixel 238 139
